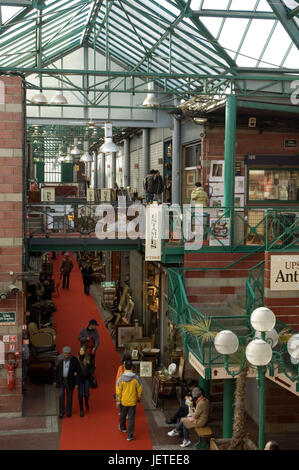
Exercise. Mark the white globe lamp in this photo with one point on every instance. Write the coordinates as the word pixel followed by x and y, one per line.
pixel 226 342
pixel 262 319
pixel 293 346
pixel 271 337
pixel 258 352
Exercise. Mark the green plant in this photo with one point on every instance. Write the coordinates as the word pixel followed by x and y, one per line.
pixel 201 329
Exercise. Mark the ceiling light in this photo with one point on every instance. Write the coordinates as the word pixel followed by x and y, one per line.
pixel 39 98
pixel 151 99
pixel 86 157
pixel 59 98
pixel 69 157
pixel 199 120
pixel 75 152
pixel 61 157
pixel 108 146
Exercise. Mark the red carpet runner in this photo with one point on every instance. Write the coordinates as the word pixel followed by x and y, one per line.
pixel 98 430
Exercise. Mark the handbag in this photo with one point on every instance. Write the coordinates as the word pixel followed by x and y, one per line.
pixel 93 382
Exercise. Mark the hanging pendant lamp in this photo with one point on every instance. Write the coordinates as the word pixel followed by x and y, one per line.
pixel 151 100
pixel 108 146
pixel 69 157
pixel 75 151
pixel 86 157
pixel 39 98
pixel 59 98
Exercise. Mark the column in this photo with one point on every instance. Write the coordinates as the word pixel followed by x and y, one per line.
pixel 95 169
pixel 146 153
pixel 113 169
pixel 102 169
pixel 126 162
pixel 176 162
pixel 230 150
pixel 228 408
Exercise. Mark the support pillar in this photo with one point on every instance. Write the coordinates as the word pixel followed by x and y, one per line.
pixel 95 169
pixel 146 153
pixel 126 162
pixel 176 162
pixel 228 408
pixel 230 150
pixel 113 170
pixel 102 170
pixel 205 386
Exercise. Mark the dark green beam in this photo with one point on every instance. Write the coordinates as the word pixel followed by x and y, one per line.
pixel 206 33
pixel 288 23
pixel 268 106
pixel 262 15
pixel 91 20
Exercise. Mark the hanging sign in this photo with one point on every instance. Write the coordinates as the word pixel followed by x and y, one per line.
pixel 7 318
pixel 108 284
pixel 9 338
pixel 153 233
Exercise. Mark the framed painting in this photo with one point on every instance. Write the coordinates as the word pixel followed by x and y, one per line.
pixel 146 369
pixel 190 177
pixel 127 333
pixel 217 170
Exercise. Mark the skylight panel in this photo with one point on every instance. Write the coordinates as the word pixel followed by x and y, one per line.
pixel 230 41
pixel 215 4
pixel 9 12
pixel 212 24
pixel 277 46
pixel 256 38
pixel 292 61
pixel 247 5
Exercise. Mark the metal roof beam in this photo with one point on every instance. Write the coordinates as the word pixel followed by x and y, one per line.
pixel 261 15
pixel 294 12
pixel 91 20
pixel 16 3
pixel 288 23
pixel 206 33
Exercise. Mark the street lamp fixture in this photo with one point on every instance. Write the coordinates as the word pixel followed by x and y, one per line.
pixel 259 355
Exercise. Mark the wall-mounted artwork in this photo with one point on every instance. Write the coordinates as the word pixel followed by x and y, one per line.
pixel 217 170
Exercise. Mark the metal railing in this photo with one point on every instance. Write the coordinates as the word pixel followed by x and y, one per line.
pixel 255 288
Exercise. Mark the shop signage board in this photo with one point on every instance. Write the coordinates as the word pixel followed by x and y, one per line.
pixel 290 143
pixel 197 365
pixel 2 352
pixel 153 242
pixel 284 274
pixel 7 318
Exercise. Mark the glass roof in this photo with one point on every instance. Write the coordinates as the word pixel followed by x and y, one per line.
pixel 173 37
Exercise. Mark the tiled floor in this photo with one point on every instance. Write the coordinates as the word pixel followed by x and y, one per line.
pixel 39 428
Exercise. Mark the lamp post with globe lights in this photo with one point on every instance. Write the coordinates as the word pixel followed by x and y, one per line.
pixel 258 354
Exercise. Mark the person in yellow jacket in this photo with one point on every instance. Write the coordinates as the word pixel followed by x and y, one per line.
pixel 199 196
pixel 129 391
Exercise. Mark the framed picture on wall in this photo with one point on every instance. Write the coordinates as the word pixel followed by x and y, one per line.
pixel 216 201
pixel 126 333
pixel 190 177
pixel 216 189
pixel 239 201
pixel 239 184
pixel 217 170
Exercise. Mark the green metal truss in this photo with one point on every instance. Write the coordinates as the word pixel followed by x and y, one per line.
pixel 179 47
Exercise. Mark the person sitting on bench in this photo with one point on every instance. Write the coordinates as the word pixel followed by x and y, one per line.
pixel 182 411
pixel 198 418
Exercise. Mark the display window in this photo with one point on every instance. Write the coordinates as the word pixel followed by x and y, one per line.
pixel 273 184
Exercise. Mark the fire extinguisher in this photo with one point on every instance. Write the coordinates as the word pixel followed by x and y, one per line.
pixel 11 375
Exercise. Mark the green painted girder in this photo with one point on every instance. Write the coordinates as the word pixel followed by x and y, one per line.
pixel 91 20
pixel 203 30
pixel 268 106
pixel 288 23
pixel 80 244
pixel 177 33
pixel 250 14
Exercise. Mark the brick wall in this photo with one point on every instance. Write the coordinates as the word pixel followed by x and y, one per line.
pixel 11 230
pixel 217 286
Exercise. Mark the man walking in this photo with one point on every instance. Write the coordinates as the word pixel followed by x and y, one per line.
pixel 66 379
pixel 128 392
pixel 158 187
pixel 89 337
pixel 148 185
pixel 65 270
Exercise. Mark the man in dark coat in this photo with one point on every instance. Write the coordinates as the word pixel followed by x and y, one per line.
pixel 158 186
pixel 66 379
pixel 148 185
pixel 65 270
pixel 87 273
pixel 89 337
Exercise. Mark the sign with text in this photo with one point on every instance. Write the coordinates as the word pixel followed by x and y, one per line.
pixel 284 272
pixel 7 318
pixel 153 242
pixel 108 284
pixel 10 339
